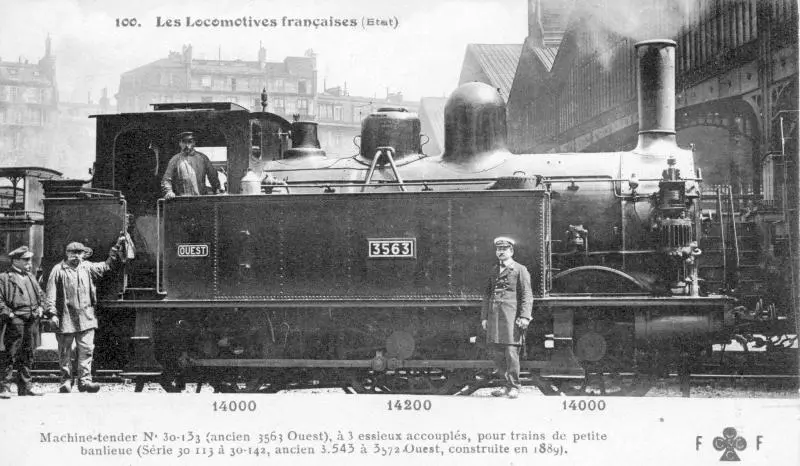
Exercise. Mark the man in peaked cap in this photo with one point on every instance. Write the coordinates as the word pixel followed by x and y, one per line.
pixel 21 301
pixel 71 298
pixel 187 171
pixel 506 313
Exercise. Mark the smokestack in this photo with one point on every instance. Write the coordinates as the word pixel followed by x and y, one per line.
pixel 305 142
pixel 656 95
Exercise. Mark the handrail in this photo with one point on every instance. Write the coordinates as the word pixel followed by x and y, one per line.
pixel 20 214
pixel 159 249
pixel 450 181
pixel 722 232
pixel 735 234
pixel 125 227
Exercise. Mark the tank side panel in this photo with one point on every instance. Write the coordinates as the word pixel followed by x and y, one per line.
pixel 307 247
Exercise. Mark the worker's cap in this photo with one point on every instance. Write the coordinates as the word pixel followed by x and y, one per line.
pixel 504 241
pixel 186 136
pixel 22 252
pixel 78 247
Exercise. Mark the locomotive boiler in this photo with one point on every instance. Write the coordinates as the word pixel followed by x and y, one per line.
pixel 367 272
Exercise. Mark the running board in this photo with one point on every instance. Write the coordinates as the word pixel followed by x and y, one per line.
pixel 552 367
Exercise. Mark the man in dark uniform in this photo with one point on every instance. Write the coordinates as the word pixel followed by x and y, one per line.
pixel 506 313
pixel 21 302
pixel 187 171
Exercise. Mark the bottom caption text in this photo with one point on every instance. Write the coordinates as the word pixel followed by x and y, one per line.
pixel 319 443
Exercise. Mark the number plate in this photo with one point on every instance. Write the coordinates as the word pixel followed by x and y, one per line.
pixel 192 250
pixel 392 248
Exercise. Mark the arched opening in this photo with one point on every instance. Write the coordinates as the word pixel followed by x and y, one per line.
pixel 724 156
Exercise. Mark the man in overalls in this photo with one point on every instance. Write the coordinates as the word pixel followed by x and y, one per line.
pixel 506 313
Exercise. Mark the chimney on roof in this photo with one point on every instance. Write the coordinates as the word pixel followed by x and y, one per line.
pixel 104 101
pixel 47 64
pixel 187 54
pixel 535 27
pixel 262 56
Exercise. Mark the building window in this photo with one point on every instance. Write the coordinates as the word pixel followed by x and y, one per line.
pixel 275 85
pixel 13 93
pixel 279 105
pixel 35 117
pixel 325 111
pixel 205 81
pixel 302 87
pixel 337 112
pixel 233 84
pixel 302 106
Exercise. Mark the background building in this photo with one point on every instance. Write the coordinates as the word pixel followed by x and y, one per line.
pixel 28 110
pixel 736 71
pixel 291 84
pixel 493 64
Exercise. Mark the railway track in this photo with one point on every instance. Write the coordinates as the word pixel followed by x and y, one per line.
pixel 699 384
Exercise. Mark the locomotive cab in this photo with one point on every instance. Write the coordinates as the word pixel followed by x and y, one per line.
pixel 133 151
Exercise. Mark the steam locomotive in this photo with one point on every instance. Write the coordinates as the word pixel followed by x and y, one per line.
pixel 366 272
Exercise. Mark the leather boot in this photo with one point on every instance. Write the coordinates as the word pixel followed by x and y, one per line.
pixel 88 387
pixel 500 392
pixel 5 393
pixel 25 390
pixel 65 387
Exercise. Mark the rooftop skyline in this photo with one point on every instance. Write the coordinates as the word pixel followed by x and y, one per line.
pixel 422 56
